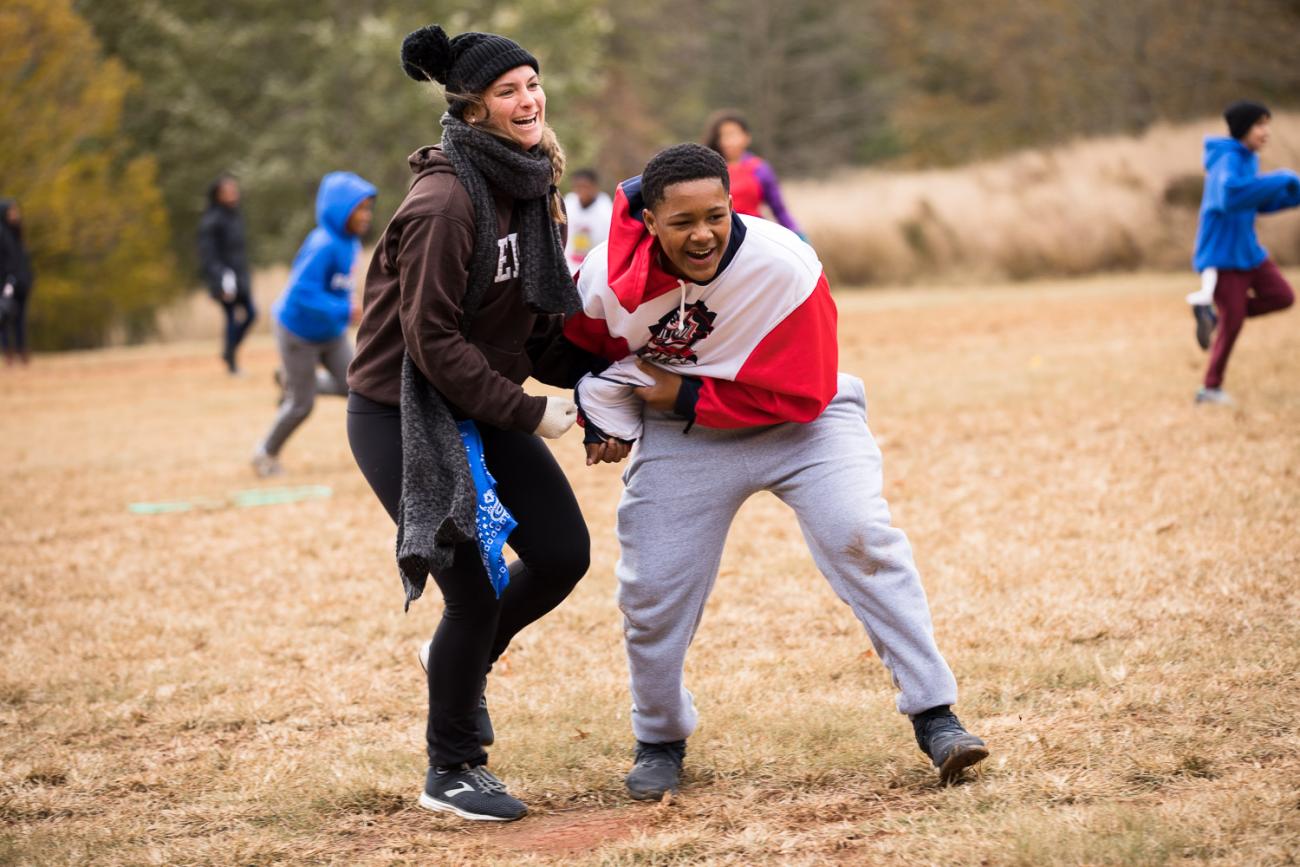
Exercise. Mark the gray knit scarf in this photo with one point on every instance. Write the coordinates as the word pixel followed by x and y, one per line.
pixel 483 161
pixel 439 504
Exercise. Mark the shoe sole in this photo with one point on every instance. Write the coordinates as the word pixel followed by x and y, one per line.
pixel 960 759
pixel 649 796
pixel 433 805
pixel 1204 330
pixel 423 656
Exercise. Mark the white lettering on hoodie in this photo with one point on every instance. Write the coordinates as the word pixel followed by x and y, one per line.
pixel 507 257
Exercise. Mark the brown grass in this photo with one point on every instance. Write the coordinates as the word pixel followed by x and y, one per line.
pixel 1112 572
pixel 1109 204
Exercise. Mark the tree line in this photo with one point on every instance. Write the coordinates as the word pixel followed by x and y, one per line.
pixel 118 113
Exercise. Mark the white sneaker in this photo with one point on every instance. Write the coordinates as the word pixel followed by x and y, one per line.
pixel 1214 395
pixel 266 465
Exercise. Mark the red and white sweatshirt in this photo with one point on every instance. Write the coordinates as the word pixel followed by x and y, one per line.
pixel 757 343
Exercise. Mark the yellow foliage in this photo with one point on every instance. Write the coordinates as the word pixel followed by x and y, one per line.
pixel 93 216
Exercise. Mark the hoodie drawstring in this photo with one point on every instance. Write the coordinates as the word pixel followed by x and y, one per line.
pixel 681 307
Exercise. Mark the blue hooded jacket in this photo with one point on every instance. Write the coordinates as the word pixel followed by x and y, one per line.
pixel 1234 193
pixel 318 302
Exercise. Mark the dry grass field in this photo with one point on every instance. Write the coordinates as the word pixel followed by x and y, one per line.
pixel 1113 573
pixel 1112 203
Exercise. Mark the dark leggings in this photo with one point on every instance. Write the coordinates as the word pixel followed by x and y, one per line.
pixel 476 627
pixel 237 325
pixel 15 324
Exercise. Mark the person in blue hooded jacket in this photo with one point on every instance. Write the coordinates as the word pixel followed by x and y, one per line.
pixel 1245 280
pixel 312 315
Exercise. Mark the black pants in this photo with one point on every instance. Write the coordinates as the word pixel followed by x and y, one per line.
pixel 15 324
pixel 240 314
pixel 552 544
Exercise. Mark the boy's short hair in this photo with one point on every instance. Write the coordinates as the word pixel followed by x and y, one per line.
pixel 588 174
pixel 677 164
pixel 1242 115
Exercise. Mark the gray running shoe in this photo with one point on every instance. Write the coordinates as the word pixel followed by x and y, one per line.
pixel 486 734
pixel 266 465
pixel 1214 395
pixel 657 771
pixel 471 793
pixel 940 736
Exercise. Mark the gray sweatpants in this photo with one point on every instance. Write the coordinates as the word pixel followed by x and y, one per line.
pixel 682 492
pixel 303 381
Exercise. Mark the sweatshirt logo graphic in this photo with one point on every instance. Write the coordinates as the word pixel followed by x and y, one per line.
pixel 507 257
pixel 672 339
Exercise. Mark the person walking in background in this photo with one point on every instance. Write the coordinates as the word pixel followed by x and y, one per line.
pixel 15 283
pixel 463 302
pixel 753 182
pixel 722 330
pixel 223 262
pixel 588 209
pixel 312 315
pixel 1245 280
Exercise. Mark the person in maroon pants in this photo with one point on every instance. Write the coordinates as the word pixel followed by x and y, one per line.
pixel 1248 283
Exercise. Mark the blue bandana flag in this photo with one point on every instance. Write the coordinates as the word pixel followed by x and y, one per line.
pixel 495 523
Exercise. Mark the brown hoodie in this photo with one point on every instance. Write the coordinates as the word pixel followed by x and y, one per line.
pixel 412 299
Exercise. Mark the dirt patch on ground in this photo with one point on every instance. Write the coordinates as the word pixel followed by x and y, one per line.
pixel 572 831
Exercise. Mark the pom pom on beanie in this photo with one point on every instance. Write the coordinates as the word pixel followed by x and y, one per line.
pixel 467 63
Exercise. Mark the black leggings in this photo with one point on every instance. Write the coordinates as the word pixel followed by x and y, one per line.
pixel 552 544
pixel 16 324
pixel 237 326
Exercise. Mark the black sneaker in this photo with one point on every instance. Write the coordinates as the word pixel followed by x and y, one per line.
pixel 486 734
pixel 1206 320
pixel 658 770
pixel 940 736
pixel 471 793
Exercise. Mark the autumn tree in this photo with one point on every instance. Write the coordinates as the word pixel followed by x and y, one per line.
pixel 94 220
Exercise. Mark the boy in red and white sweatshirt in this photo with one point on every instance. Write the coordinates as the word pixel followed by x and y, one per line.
pixel 722 330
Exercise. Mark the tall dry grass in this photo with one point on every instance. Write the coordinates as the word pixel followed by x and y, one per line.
pixel 1112 572
pixel 1110 204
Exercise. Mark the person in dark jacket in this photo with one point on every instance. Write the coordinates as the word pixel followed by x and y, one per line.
pixel 15 283
pixel 223 262
pixel 466 291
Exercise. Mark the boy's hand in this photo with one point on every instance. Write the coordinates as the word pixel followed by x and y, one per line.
pixel 663 394
pixel 611 451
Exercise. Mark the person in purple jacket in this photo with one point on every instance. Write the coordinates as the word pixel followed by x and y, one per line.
pixel 1245 281
pixel 753 183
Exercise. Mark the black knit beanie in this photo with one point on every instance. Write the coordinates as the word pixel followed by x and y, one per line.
pixel 1242 115
pixel 466 64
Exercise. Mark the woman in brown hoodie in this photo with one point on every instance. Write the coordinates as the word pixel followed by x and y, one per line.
pixel 464 300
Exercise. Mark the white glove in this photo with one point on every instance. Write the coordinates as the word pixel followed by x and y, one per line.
pixel 9 290
pixel 560 415
pixel 228 284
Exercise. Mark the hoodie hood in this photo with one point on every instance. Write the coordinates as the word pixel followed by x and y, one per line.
pixel 634 274
pixel 1218 147
pixel 339 194
pixel 428 160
